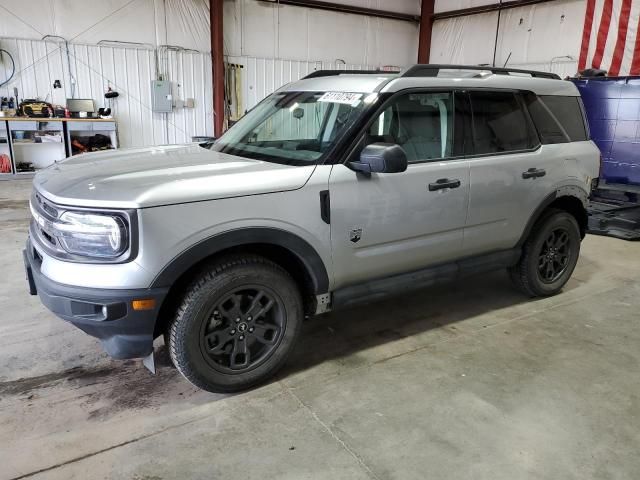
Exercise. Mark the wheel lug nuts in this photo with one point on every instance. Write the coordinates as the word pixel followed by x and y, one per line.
pixel 249 318
pixel 233 332
pixel 237 320
pixel 251 329
pixel 241 337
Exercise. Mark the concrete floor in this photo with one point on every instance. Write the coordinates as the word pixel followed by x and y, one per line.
pixel 470 380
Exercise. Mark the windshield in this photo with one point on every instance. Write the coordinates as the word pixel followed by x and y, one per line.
pixel 298 128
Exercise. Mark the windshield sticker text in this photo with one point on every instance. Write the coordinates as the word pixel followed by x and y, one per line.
pixel 346 98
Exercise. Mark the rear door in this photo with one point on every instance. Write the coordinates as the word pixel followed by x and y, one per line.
pixel 511 172
pixel 389 223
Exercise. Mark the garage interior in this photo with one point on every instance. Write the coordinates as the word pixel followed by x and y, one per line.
pixel 464 380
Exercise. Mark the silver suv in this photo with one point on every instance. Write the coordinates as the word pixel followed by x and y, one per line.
pixel 336 189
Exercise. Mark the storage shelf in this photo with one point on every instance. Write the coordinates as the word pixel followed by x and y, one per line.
pixel 42 154
pixel 22 144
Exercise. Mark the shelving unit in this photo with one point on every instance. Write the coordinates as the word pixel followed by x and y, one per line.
pixel 36 144
pixel 6 167
pixel 30 144
pixel 90 135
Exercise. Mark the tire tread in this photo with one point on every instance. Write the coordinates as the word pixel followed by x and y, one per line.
pixel 520 273
pixel 178 326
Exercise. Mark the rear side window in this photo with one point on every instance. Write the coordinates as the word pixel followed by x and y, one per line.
pixel 568 113
pixel 500 123
pixel 546 123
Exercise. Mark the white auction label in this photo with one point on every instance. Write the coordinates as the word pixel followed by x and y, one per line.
pixel 341 97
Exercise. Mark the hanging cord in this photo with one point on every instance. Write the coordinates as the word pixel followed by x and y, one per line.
pixel 72 79
pixel 13 67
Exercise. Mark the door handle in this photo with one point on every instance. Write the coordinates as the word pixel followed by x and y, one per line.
pixel 443 183
pixel 534 173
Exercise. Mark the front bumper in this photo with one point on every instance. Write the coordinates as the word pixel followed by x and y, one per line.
pixel 106 314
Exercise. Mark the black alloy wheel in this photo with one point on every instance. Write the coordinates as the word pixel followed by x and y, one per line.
pixel 549 255
pixel 244 328
pixel 554 255
pixel 236 323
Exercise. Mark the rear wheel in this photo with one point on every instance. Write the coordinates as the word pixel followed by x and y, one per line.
pixel 237 324
pixel 549 255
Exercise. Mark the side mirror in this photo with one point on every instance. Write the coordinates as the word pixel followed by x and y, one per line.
pixel 381 158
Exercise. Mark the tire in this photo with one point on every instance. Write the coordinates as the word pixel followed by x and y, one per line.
pixel 532 274
pixel 236 324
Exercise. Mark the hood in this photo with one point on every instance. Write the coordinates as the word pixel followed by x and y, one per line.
pixel 147 177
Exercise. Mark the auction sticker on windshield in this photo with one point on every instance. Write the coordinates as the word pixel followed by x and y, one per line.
pixel 341 97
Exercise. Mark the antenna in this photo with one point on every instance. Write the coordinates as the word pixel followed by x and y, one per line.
pixel 505 63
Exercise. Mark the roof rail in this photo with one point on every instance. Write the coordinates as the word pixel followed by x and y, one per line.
pixel 330 73
pixel 432 70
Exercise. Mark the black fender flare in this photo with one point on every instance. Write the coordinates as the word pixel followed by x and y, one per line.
pixel 303 251
pixel 566 191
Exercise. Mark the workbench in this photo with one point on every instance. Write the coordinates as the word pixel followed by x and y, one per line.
pixel 30 144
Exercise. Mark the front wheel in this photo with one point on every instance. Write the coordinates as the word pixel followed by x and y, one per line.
pixel 237 324
pixel 549 255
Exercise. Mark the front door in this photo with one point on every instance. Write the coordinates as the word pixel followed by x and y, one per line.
pixel 390 223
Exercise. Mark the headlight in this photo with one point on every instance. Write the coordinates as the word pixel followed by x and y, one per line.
pixel 92 234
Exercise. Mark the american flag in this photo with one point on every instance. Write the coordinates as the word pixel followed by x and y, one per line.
pixel 610 39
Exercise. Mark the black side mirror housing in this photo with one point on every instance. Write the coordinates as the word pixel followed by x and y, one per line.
pixel 381 158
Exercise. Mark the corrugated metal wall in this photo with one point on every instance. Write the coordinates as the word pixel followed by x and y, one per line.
pixel 128 71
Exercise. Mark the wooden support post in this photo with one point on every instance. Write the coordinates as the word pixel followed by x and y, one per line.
pixel 426 28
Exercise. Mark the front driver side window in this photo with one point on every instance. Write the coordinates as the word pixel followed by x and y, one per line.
pixel 421 123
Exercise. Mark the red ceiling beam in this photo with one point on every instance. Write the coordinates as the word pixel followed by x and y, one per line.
pixel 217 61
pixel 426 28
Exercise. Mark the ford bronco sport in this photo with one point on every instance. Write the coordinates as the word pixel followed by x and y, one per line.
pixel 335 189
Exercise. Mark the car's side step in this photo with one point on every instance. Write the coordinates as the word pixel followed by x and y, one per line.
pixel 419 279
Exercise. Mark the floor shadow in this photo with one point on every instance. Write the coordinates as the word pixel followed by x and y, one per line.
pixel 337 335
pixel 342 333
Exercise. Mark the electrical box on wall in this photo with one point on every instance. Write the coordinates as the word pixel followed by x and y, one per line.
pixel 161 96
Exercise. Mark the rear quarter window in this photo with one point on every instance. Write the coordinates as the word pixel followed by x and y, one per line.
pixel 568 113
pixel 548 128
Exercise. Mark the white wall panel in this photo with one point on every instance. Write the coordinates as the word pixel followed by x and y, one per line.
pixel 26 19
pixel 277 44
pixel 532 35
pixel 261 76
pixel 410 7
pixel 540 32
pixel 143 21
pixel 266 30
pixel 464 40
pixel 252 27
pixel 564 68
pixel 448 5
pixel 128 71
